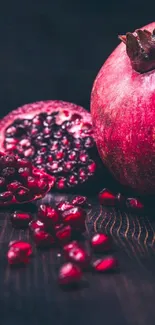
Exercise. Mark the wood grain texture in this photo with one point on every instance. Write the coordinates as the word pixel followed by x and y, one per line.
pixel 31 295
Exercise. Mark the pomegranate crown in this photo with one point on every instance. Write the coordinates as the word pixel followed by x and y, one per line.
pixel 140 48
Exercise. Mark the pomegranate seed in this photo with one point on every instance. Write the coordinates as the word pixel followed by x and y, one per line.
pixel 36 224
pixel 72 155
pixel 29 152
pixel 80 201
pixel 100 243
pixel 72 180
pixel 13 187
pixel 21 219
pixel 15 257
pixel 83 157
pixel 65 142
pixel 107 198
pixel 61 183
pixel 42 211
pixel 91 167
pixel 59 155
pixel 63 234
pixel 50 158
pixel 54 146
pixel 25 143
pixel 6 196
pixel 88 142
pixel 68 166
pixel 79 256
pixel 43 239
pixel 64 205
pixel 106 264
pixel 24 172
pixel 23 194
pixel 67 248
pixel 133 203
pixel 83 175
pixel 69 274
pixel 32 183
pixel 42 185
pixel 11 131
pixel 75 217
pixel 77 143
pixel 25 247
pixel 48 215
pixel 23 163
pixel 19 252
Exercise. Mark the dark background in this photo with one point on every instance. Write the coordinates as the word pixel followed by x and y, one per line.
pixel 54 49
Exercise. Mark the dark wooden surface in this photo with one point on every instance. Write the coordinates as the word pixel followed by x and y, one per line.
pixel 31 295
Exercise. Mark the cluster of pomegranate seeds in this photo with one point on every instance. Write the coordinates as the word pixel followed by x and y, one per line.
pixel 19 252
pixel 56 139
pixel 107 198
pixel 15 174
pixel 55 228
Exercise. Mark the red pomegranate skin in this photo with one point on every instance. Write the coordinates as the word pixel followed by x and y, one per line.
pixel 123 114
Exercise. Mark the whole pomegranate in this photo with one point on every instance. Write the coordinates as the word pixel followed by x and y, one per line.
pixel 123 111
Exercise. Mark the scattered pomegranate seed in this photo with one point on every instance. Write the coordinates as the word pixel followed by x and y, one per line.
pixel 106 264
pixel 69 274
pixel 75 217
pixel 25 247
pixel 63 234
pixel 43 239
pixel 15 257
pixel 36 224
pixel 100 243
pixel 79 256
pixel 19 252
pixel 107 198
pixel 67 248
pixel 133 203
pixel 21 219
pixel 64 205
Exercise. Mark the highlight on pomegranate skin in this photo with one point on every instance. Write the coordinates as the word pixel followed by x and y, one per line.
pixel 57 137
pixel 14 181
pixel 123 114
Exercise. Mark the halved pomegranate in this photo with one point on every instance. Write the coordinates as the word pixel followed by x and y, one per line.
pixel 56 137
pixel 14 180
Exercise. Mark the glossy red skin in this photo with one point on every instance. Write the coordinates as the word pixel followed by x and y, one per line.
pixel 123 114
